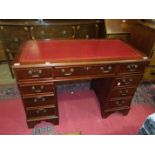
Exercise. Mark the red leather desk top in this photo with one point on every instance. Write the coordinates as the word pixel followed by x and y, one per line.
pixel 69 50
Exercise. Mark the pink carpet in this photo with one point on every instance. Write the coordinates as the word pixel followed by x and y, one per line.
pixel 78 112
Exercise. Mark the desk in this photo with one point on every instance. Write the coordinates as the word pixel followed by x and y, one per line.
pixel 114 68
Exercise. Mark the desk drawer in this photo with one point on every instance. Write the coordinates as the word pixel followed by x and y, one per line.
pixel 84 70
pixel 32 88
pixel 131 68
pixel 41 100
pixel 33 73
pixel 127 81
pixel 118 103
pixel 41 111
pixel 122 92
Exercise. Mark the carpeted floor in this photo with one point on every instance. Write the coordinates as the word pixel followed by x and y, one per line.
pixel 79 112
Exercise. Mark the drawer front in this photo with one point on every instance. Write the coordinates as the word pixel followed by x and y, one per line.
pixel 47 32
pixel 40 101
pixel 32 88
pixel 87 31
pixel 118 103
pixel 14 36
pixel 127 81
pixel 122 92
pixel 131 68
pixel 40 112
pixel 33 73
pixel 149 74
pixel 85 70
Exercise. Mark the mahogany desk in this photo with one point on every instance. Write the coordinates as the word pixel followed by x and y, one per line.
pixel 114 68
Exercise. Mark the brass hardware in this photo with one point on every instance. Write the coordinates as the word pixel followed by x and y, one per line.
pixel 118 103
pixel 78 27
pixel 68 73
pixel 132 67
pixel 63 70
pixel 87 68
pixel 37 90
pixel 96 25
pixel 72 69
pixel 124 93
pixel 1 27
pixel 16 39
pixel 33 38
pixel 87 36
pixel 104 71
pixel 119 83
pixel 39 98
pixel 73 36
pixel 25 28
pixel 41 110
pixel 31 27
pixel 7 50
pixel 34 72
pixel 109 67
pixel 64 32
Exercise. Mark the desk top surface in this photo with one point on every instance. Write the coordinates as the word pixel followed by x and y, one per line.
pixel 76 50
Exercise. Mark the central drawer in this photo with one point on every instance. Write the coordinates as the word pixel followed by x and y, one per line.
pixel 64 71
pixel 41 87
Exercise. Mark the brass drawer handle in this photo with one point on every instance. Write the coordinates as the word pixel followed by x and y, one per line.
pixel 87 68
pixel 109 68
pixel 31 28
pixel 132 67
pixel 43 99
pixel 41 110
pixel 25 28
pixel 124 93
pixel 1 27
pixel 78 27
pixel 67 73
pixel 37 90
pixel 127 81
pixel 34 72
pixel 120 102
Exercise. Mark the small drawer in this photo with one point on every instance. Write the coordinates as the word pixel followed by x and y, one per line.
pixel 32 88
pixel 131 68
pixel 33 73
pixel 122 92
pixel 127 81
pixel 68 71
pixel 100 70
pixel 39 112
pixel 40 100
pixel 118 103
